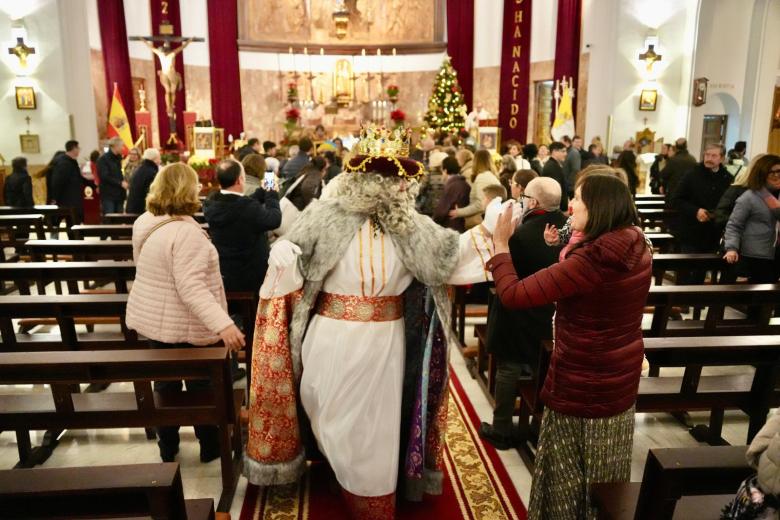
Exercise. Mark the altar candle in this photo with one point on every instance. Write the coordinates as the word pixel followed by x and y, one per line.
pixel 393 51
pixel 322 51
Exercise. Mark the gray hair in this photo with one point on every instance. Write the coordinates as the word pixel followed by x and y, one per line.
pixel 114 141
pixel 716 146
pixel 151 154
pixel 546 190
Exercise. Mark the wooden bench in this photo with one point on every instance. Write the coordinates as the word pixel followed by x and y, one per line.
pixel 655 218
pixel 109 231
pixel 675 263
pixel 129 218
pixel 649 196
pixel 678 483
pixel 664 242
pixel 51 214
pixel 66 408
pixel 134 490
pixel 80 249
pixel 15 231
pixel 654 203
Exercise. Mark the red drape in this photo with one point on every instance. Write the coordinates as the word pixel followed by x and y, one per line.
pixel 515 71
pixel 173 17
pixel 116 57
pixel 567 43
pixel 460 44
pixel 224 67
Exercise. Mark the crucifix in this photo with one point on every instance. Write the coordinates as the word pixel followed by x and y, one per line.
pixel 170 79
pixel 21 51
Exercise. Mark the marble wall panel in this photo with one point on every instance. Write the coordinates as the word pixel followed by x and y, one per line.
pixel 486 86
pixel 98 77
pixel 198 85
pixel 145 69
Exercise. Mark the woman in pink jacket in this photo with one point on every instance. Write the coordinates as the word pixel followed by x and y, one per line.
pixel 177 299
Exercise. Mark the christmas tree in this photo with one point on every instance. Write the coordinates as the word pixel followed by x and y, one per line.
pixel 446 109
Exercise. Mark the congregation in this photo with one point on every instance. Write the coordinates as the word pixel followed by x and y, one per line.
pixel 379 260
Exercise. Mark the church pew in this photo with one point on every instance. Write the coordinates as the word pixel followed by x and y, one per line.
pixel 678 483
pixel 656 203
pixel 80 249
pixel 108 231
pixel 40 274
pixel 15 230
pixel 649 196
pixel 51 214
pixel 66 408
pixel 129 218
pixel 753 394
pixel 675 263
pixel 664 242
pixel 655 218
pixel 133 490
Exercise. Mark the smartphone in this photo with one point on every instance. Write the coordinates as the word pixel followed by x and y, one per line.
pixel 268 180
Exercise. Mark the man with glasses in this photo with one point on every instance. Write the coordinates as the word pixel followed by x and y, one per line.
pixel 695 200
pixel 514 337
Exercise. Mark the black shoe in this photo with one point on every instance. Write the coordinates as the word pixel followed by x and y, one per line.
pixel 168 455
pixel 238 374
pixel 497 440
pixel 209 454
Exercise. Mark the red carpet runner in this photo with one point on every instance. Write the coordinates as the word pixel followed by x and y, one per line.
pixel 476 486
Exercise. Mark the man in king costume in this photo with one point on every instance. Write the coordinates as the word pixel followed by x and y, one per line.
pixel 349 344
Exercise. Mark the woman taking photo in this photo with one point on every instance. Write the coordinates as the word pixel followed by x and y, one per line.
pixel 589 393
pixel 177 299
pixel 751 231
pixel 483 174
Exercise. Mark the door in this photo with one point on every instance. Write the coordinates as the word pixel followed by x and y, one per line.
pixel 714 131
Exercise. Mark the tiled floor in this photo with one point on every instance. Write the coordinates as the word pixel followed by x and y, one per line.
pixel 126 446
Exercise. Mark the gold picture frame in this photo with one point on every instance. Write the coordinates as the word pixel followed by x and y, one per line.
pixel 489 137
pixel 648 100
pixel 29 143
pixel 25 98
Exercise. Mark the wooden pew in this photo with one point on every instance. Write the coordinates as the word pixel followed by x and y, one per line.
pixel 149 490
pixel 655 218
pixel 109 231
pixel 66 408
pixel 50 212
pixel 80 249
pixel 129 218
pixel 15 231
pixel 678 483
pixel 39 274
pixel 648 196
pixel 675 263
pixel 655 203
pixel 665 242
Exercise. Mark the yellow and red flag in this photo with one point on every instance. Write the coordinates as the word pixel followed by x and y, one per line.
pixel 118 125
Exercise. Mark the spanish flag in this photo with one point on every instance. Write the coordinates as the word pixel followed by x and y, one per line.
pixel 118 126
pixel 564 114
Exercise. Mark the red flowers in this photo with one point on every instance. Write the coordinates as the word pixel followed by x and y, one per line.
pixel 398 116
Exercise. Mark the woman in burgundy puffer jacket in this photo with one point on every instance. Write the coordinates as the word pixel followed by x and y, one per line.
pixel 590 390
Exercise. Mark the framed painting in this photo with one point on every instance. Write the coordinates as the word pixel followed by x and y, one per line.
pixel 648 100
pixel 29 143
pixel 25 98
pixel 489 138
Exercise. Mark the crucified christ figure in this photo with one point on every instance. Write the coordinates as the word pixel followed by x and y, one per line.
pixel 170 79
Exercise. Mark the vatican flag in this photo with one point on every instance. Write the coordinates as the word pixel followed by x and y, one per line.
pixel 564 114
pixel 118 126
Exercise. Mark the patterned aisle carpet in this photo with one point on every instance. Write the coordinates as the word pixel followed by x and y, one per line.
pixel 476 486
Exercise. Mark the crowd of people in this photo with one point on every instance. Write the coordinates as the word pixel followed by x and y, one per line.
pixel 558 231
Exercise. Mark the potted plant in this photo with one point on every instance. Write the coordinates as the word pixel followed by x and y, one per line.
pixel 392 93
pixel 398 117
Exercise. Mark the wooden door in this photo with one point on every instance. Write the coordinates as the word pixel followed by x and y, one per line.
pixel 714 131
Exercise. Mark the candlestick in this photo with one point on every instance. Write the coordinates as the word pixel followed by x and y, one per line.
pixel 393 51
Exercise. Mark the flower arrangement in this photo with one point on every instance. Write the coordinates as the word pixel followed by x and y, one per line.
pixel 398 116
pixel 292 92
pixel 205 168
pixel 292 115
pixel 392 91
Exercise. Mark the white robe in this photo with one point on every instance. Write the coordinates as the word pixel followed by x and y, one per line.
pixel 351 386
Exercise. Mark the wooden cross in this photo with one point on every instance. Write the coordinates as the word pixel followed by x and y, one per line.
pixel 645 121
pixel 21 51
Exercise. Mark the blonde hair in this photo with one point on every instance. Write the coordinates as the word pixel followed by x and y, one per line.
pixel 601 169
pixel 254 165
pixel 463 156
pixel 742 177
pixel 174 191
pixel 483 162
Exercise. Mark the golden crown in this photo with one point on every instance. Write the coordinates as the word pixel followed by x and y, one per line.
pixel 378 141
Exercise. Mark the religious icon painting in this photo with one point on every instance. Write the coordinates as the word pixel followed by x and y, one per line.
pixel 25 98
pixel 489 137
pixel 29 143
pixel 648 100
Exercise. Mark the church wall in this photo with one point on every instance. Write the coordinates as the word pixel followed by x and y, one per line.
pixel 50 120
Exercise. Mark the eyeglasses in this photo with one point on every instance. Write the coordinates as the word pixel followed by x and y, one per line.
pixel 774 173
pixel 524 196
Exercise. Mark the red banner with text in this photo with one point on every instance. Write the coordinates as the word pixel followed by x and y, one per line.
pixel 515 71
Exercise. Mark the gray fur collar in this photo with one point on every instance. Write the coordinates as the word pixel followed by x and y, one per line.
pixel 323 232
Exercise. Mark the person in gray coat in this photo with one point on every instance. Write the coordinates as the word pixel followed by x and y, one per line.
pixel 752 229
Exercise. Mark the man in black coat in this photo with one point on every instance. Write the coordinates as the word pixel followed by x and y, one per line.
pixel 18 185
pixel 695 200
pixel 679 163
pixel 251 146
pixel 113 186
pixel 67 182
pixel 238 227
pixel 514 337
pixel 553 168
pixel 142 179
